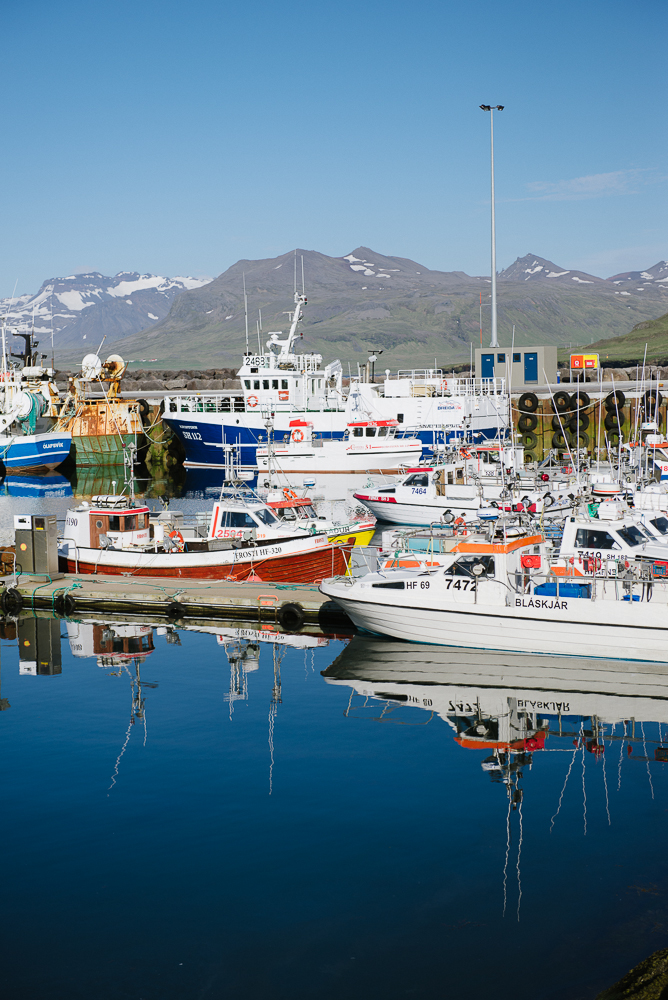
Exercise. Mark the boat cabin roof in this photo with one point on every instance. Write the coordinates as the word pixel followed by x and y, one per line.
pixel 118 504
pixel 498 547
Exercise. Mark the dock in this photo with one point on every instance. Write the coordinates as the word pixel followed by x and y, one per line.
pixel 288 605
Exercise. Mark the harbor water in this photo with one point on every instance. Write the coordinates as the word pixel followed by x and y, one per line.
pixel 221 813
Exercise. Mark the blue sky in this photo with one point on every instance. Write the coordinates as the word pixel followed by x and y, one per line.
pixel 177 138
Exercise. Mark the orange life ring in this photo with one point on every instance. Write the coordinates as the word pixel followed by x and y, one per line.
pixel 297 435
pixel 252 401
pixel 178 538
pixel 284 395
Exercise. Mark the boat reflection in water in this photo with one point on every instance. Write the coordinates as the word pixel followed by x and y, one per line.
pixel 47 485
pixel 515 708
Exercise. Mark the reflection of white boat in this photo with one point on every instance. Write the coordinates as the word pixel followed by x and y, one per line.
pixel 366 446
pixel 462 681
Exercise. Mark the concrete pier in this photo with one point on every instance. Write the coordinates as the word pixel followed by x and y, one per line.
pixel 181 600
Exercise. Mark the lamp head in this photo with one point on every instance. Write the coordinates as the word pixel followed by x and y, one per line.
pixel 485 107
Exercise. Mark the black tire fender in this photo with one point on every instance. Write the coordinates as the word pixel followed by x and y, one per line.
pixel 291 617
pixel 64 605
pixel 579 422
pixel 561 401
pixel 580 400
pixel 528 402
pixel 527 422
pixel 176 610
pixel 11 601
pixel 615 400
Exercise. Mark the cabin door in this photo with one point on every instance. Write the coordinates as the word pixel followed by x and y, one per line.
pixel 99 525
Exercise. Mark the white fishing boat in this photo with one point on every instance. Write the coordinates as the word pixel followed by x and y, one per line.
pixel 238 540
pixel 426 402
pixel 366 446
pixel 430 493
pixel 510 595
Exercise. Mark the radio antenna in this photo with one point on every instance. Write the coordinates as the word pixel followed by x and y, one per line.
pixel 303 288
pixel 295 272
pixel 246 314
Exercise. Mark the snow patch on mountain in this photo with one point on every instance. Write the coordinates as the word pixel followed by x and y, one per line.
pixel 81 306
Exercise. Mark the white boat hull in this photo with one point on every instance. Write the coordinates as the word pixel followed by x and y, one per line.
pixel 529 625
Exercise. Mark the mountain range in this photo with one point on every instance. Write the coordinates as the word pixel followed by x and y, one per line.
pixel 360 301
pixel 80 309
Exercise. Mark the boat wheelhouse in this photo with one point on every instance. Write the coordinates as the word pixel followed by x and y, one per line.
pixel 367 446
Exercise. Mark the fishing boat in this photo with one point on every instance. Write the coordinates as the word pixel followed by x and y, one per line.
pixel 509 594
pixel 29 402
pixel 102 425
pixel 366 446
pixel 426 402
pixel 237 541
pixel 427 493
pixel 292 509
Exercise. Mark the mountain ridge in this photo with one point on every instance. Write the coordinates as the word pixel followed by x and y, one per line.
pixel 414 314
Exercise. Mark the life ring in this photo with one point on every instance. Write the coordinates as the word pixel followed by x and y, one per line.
pixel 297 435
pixel 253 401
pixel 178 538
pixel 284 396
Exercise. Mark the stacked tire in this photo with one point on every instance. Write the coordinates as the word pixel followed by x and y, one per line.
pixel 527 423
pixel 614 416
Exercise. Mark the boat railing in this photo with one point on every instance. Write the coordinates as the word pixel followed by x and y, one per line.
pixel 477 386
pixel 198 403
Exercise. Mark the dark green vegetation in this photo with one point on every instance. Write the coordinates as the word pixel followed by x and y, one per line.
pixel 647 981
pixel 368 300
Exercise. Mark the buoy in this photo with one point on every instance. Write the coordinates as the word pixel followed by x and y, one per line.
pixel 178 538
pixel 252 401
pixel 297 435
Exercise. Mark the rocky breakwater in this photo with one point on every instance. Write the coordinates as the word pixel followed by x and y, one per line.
pixel 196 380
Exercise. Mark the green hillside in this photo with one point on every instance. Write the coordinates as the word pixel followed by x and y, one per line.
pixel 631 346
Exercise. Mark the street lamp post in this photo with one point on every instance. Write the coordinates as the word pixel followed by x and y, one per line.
pixel 492 109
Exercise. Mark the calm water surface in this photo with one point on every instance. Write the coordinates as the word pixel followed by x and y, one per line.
pixel 219 819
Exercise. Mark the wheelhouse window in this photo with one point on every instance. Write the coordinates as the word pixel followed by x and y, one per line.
pixel 274 383
pixel 265 383
pixel 586 538
pixel 464 566
pixel 256 383
pixel 370 432
pixel 632 536
pixel 661 524
pixel 114 522
pixel 266 516
pixel 130 522
pixel 247 383
pixel 235 519
pixel 382 431
pixel 358 432
pixel 417 479
pixel 284 383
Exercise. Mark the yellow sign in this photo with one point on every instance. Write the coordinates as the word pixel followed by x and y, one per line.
pixel 581 361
